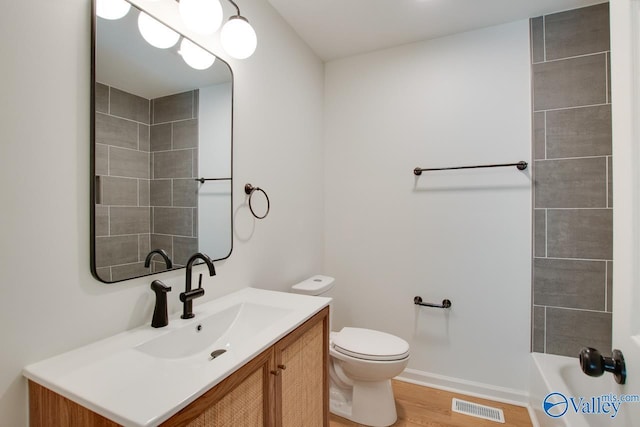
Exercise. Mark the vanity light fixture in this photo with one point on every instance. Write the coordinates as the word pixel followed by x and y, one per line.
pixel 237 36
pixel 112 9
pixel 195 56
pixel 201 16
pixel 156 33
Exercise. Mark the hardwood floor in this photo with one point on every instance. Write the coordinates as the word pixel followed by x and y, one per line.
pixel 419 406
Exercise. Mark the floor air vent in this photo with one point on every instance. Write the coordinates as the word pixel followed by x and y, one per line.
pixel 477 410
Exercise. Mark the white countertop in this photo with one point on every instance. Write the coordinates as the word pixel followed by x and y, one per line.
pixel 114 379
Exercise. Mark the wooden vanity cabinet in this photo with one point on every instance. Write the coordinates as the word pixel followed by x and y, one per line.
pixel 287 385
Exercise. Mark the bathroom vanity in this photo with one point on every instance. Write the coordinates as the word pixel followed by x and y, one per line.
pixel 273 371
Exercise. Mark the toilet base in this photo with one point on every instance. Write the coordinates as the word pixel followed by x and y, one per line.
pixel 368 402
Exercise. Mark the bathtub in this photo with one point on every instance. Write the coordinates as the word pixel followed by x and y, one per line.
pixel 559 374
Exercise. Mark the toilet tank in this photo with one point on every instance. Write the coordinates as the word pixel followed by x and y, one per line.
pixel 316 285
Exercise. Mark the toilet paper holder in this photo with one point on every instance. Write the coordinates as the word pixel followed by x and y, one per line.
pixel 445 303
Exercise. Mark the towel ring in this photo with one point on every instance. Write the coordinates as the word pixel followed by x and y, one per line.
pixel 250 189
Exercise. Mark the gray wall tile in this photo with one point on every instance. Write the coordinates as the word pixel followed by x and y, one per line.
pixel 609 77
pixel 104 273
pixel 129 106
pixel 114 131
pixel 539 135
pixel 571 183
pixel 102 98
pixel 609 286
pixel 174 221
pixel 537 39
pixel 128 220
pixel 173 164
pixel 540 236
pixel 116 250
pixel 119 191
pixel 569 283
pixel 579 132
pixel 579 233
pixel 144 245
pixel 173 107
pixel 102 221
pixel 128 163
pixel 143 138
pixel 161 241
pixel 570 82
pixel 143 192
pixel 185 134
pixel 102 159
pixel 577 32
pixel 609 182
pixel 161 137
pixel 537 344
pixel 185 192
pixel 570 330
pixel 161 192
pixel 124 272
pixel 183 248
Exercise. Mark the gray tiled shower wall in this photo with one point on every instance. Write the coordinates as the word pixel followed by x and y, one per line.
pixel 146 160
pixel 572 265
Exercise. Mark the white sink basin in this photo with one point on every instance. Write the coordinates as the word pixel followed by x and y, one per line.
pixel 143 376
pixel 221 330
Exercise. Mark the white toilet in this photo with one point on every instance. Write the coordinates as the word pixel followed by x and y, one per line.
pixel 362 363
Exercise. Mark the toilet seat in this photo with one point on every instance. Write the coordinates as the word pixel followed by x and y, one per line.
pixel 368 344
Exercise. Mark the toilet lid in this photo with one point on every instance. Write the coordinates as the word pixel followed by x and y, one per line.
pixel 369 344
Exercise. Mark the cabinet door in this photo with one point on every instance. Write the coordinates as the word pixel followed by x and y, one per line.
pixel 302 375
pixel 243 399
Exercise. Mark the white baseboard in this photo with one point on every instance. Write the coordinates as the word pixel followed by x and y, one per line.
pixel 470 388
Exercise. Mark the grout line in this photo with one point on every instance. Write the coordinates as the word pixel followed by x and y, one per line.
pixel 606 181
pixel 545 135
pixel 573 259
pixel 604 208
pixel 544 343
pixel 606 77
pixel 606 287
pixel 544 38
pixel 546 233
pixel 571 309
pixel 575 107
pixel 586 55
pixel 573 158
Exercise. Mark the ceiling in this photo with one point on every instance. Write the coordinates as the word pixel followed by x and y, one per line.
pixel 339 28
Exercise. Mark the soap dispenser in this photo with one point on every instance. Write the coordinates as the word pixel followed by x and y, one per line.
pixel 160 316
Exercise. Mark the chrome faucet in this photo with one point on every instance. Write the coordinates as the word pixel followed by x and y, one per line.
pixel 162 253
pixel 189 294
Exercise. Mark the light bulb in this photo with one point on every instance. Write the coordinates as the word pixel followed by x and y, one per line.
pixel 238 38
pixel 156 33
pixel 201 16
pixel 112 9
pixel 195 56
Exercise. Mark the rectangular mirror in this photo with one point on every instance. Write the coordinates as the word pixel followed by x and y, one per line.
pixel 161 139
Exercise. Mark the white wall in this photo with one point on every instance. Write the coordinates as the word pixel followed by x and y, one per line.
pixel 49 303
pixel 214 152
pixel 462 235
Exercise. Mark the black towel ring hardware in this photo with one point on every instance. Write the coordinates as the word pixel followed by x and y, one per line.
pixel 250 189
